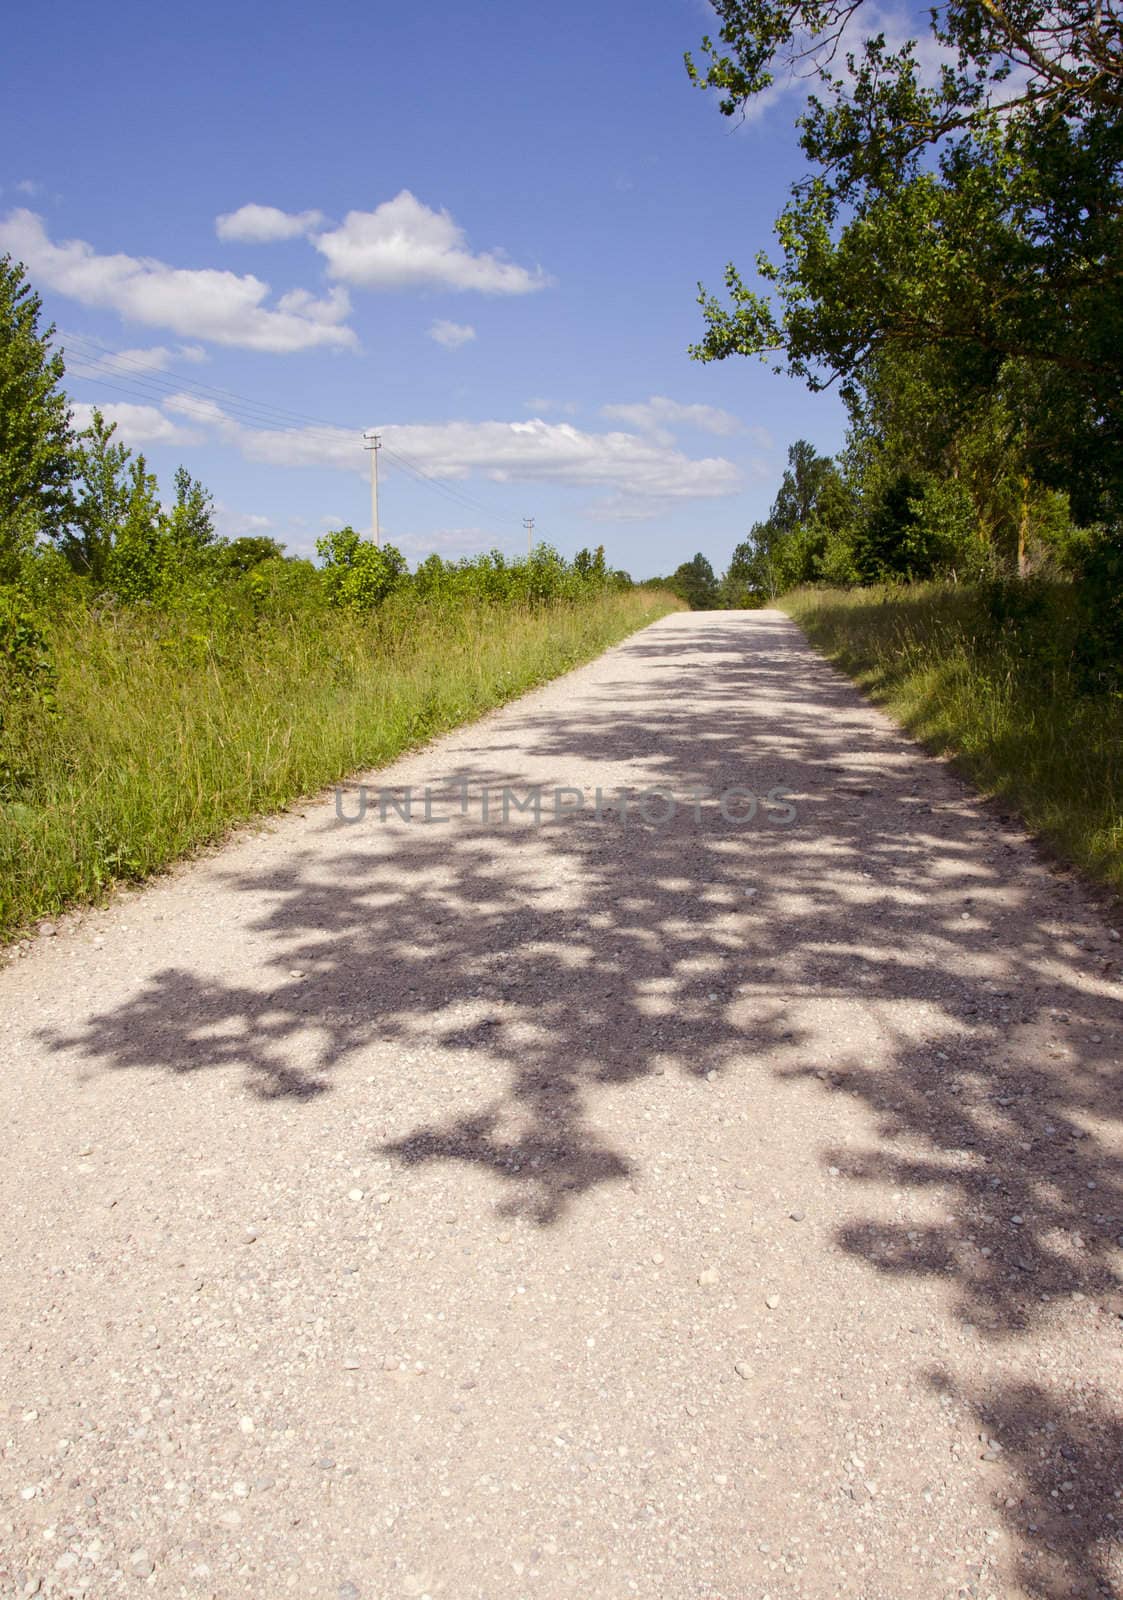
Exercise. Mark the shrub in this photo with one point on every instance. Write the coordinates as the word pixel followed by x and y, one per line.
pixel 27 684
pixel 359 573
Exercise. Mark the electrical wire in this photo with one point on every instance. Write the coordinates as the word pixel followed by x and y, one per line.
pixel 138 382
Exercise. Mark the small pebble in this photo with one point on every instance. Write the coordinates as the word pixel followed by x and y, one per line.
pixel 707 1277
pixel 772 1301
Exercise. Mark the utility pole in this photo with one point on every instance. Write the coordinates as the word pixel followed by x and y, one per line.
pixel 373 443
pixel 528 524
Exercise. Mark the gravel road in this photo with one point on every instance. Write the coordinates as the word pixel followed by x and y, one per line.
pixel 714 1210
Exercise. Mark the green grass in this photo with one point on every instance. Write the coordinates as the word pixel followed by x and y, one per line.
pixel 1008 704
pixel 164 739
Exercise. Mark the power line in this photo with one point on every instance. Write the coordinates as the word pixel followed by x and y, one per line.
pixel 455 494
pixel 171 380
pixel 148 385
pixel 131 378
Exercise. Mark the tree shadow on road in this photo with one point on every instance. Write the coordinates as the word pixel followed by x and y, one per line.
pixel 589 952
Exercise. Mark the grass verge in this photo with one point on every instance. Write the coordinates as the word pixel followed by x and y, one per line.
pixel 162 740
pixel 1007 702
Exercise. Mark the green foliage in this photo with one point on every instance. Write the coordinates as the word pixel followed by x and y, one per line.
pixel 27 685
pixel 275 704
pixel 359 573
pixel 140 563
pixel 36 443
pixel 190 526
pixel 789 547
pixel 694 582
pixel 592 566
pixel 915 527
pixel 972 211
pixel 238 556
pixel 158 683
pixel 995 675
pixel 103 500
pixel 1100 591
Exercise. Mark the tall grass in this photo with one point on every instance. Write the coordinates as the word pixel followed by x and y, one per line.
pixel 164 737
pixel 1006 695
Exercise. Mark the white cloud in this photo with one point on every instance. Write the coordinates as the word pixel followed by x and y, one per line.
pixel 454 542
pixel 28 186
pixel 402 244
pixel 194 303
pixel 634 468
pixel 254 224
pixel 451 334
pixel 235 524
pixel 659 414
pixel 136 425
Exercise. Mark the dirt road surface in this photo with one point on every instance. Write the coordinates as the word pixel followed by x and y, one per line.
pixel 714 1210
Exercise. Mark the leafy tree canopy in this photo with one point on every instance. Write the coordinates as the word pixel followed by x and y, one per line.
pixel 973 207
pixel 694 582
pixel 36 443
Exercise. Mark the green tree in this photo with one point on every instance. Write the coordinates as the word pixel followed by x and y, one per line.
pixel 191 519
pixel 103 500
pixel 591 564
pixel 810 508
pixel 241 555
pixel 803 482
pixel 142 562
pixel 359 573
pixel 975 210
pixel 694 582
pixel 37 459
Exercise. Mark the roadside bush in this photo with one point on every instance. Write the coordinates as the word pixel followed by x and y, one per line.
pixel 27 685
pixel 359 573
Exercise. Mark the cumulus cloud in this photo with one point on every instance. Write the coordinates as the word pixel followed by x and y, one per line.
pixel 136 425
pixel 637 471
pixel 402 244
pixel 255 224
pixel 194 303
pixel 659 414
pixel 452 334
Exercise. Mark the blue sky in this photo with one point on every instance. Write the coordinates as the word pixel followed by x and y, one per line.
pixel 478 229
